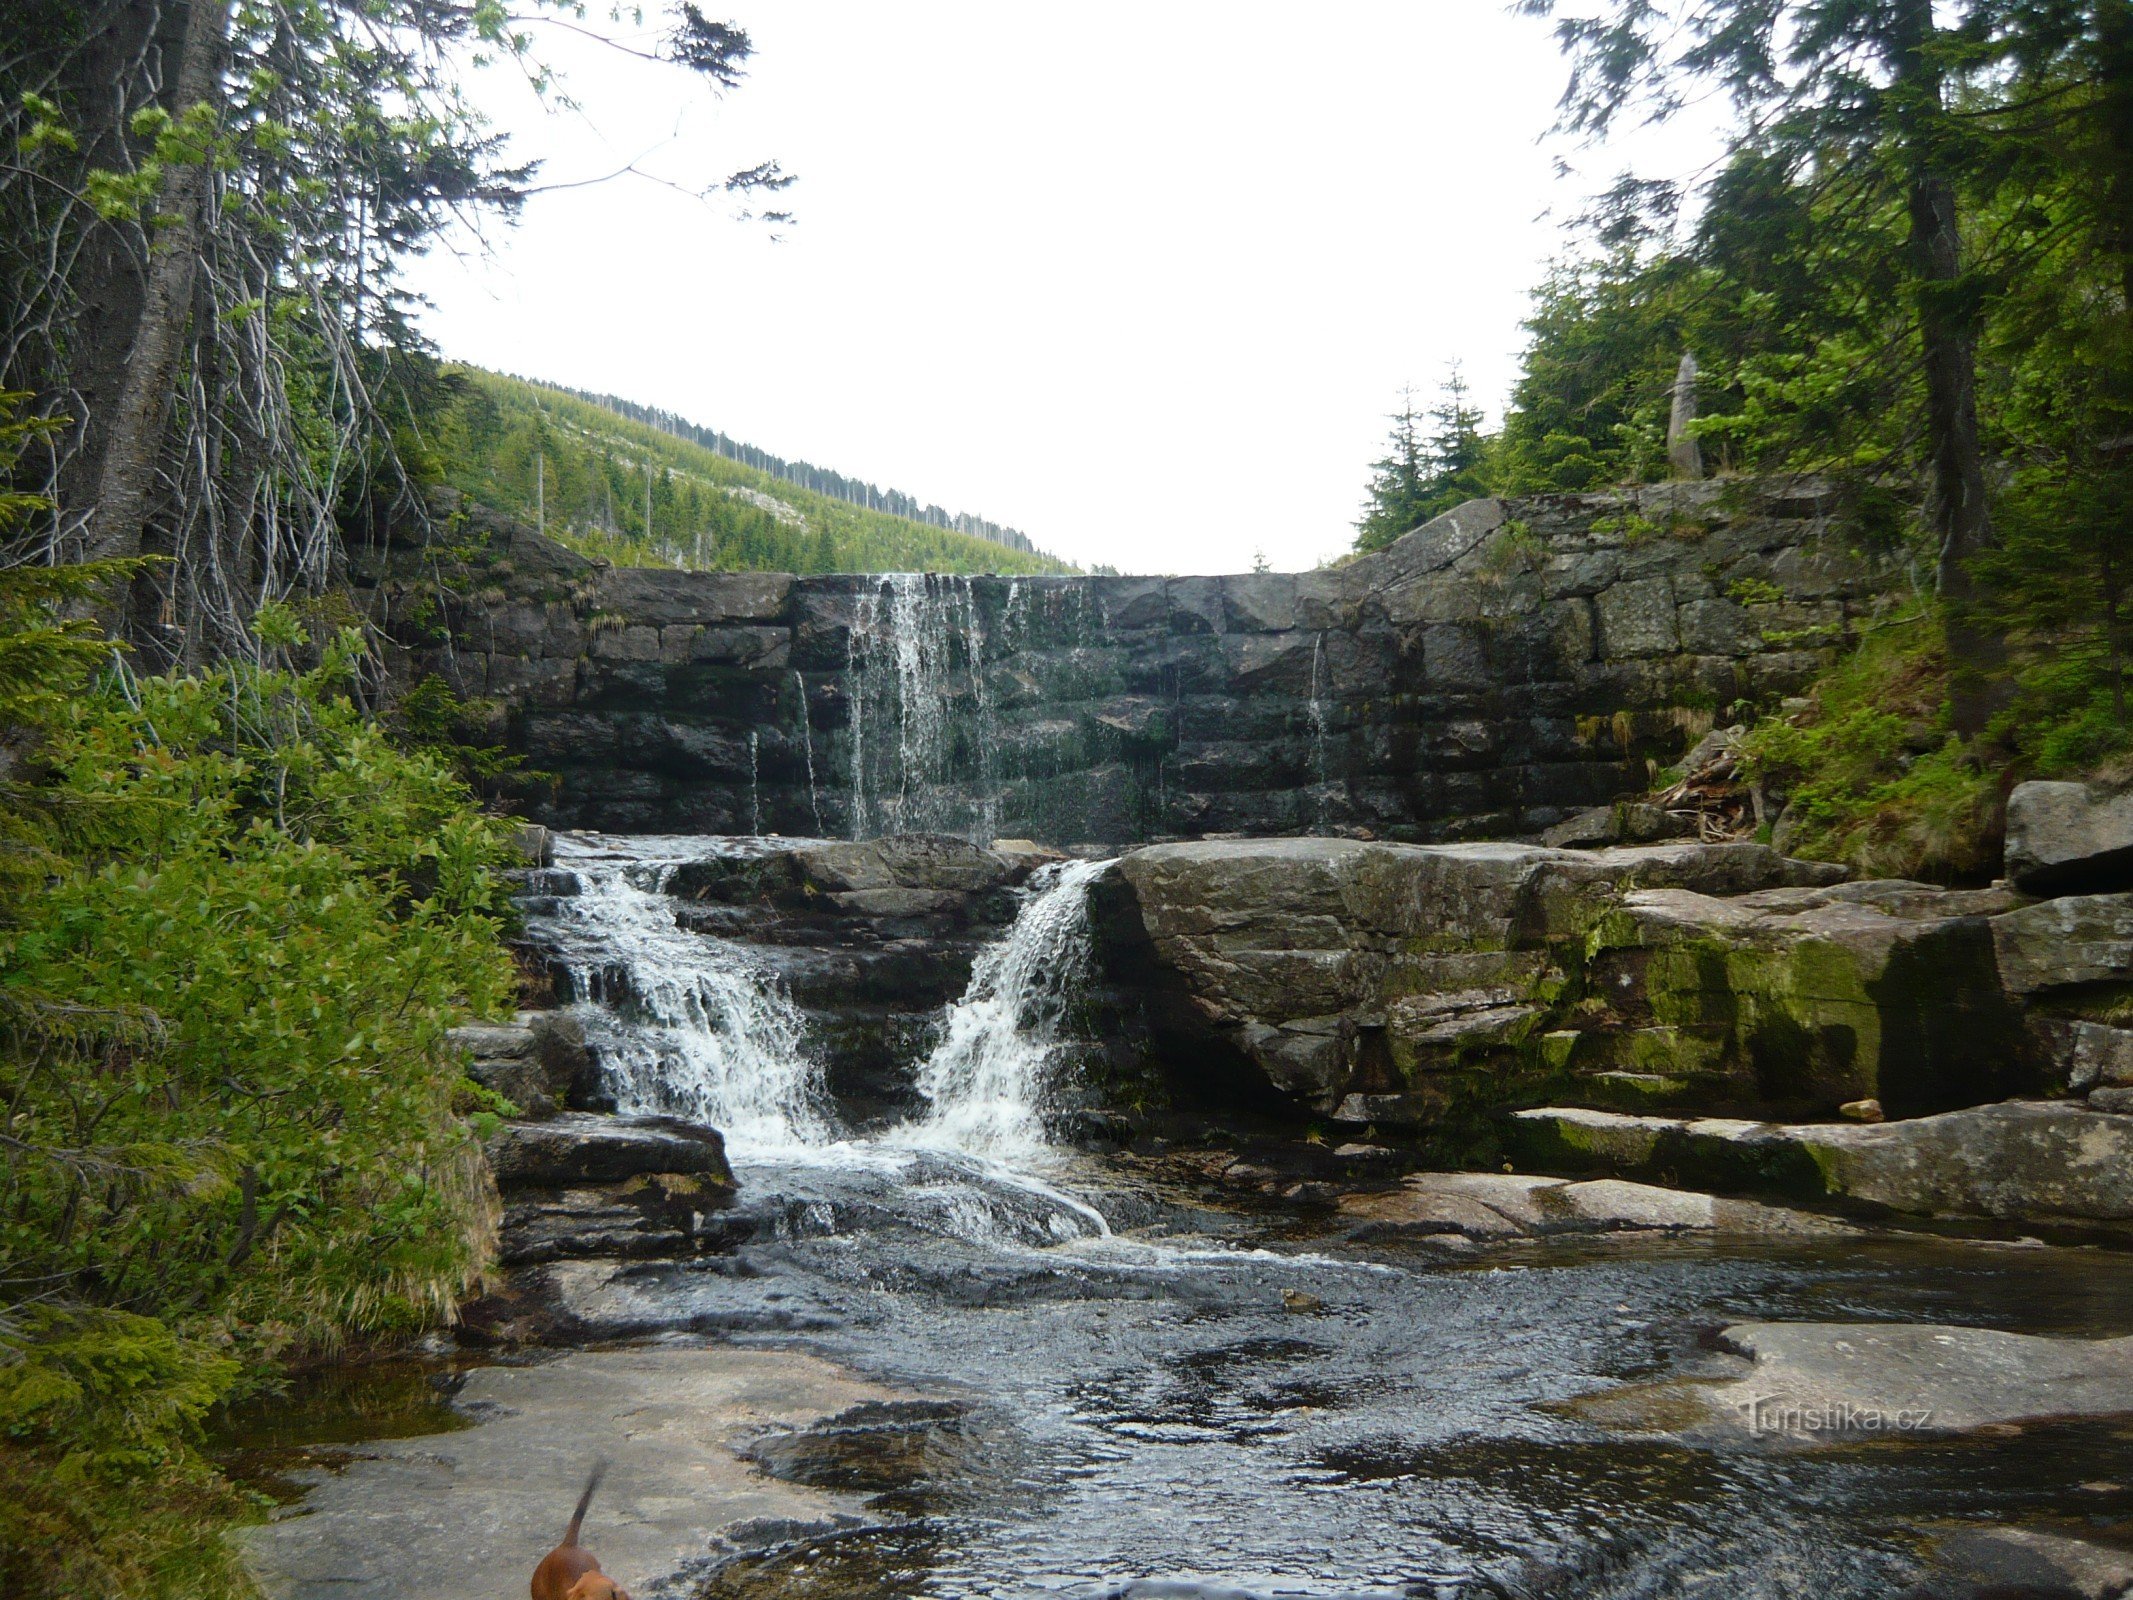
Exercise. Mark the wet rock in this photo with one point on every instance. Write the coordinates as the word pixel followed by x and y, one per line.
pixel 536 1062
pixel 1420 692
pixel 1985 1563
pixel 472 1511
pixel 2032 1161
pixel 656 1215
pixel 911 861
pixel 2066 838
pixel 910 1454
pixel 1485 1206
pixel 579 1148
pixel 1824 1379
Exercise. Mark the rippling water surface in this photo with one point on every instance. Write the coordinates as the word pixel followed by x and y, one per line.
pixel 1131 1388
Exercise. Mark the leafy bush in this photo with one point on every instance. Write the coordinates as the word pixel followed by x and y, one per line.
pixel 1874 777
pixel 235 923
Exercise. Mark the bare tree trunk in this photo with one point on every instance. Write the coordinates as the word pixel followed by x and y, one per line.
pixel 1947 325
pixel 139 421
pixel 105 80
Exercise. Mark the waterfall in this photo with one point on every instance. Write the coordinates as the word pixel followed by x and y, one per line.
pixel 684 1023
pixel 1318 722
pixel 755 782
pixel 988 1077
pixel 807 743
pixel 914 654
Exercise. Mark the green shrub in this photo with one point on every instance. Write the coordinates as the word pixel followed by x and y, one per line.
pixel 1876 777
pixel 225 1010
pixel 235 923
pixel 1873 775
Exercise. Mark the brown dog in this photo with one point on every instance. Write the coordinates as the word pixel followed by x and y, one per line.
pixel 569 1572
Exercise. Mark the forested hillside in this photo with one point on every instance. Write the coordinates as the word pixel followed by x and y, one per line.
pixel 641 494
pixel 1910 278
pixel 806 475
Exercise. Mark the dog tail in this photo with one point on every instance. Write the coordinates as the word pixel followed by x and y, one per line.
pixel 577 1517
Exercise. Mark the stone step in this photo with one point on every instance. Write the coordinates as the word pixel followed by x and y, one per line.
pixel 1471 1208
pixel 581 1148
pixel 662 1215
pixel 536 1061
pixel 2020 1160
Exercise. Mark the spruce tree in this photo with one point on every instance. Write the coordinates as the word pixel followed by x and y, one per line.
pixel 1398 493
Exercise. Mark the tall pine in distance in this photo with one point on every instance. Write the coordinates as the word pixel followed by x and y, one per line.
pixel 1424 474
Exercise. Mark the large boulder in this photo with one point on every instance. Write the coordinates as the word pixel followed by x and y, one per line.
pixel 537 1062
pixel 2021 1160
pixel 1421 985
pixel 1832 1378
pixel 933 862
pixel 2068 838
pixel 581 1148
pixel 1624 822
pixel 1813 998
pixel 1490 1206
pixel 1831 1382
pixel 2065 944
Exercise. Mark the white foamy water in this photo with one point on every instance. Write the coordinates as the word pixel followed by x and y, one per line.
pixel 923 747
pixel 987 1080
pixel 686 1025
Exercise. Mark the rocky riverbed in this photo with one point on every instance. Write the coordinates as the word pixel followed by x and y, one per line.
pixel 907 1383
pixel 1085 1229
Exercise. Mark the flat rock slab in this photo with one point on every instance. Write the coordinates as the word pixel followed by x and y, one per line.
pixel 584 1148
pixel 465 1516
pixel 1976 1563
pixel 1485 1206
pixel 2046 1161
pixel 2066 836
pixel 1819 1382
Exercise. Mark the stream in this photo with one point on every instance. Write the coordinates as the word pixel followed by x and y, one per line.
pixel 1130 1388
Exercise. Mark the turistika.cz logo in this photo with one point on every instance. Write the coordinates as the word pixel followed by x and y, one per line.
pixel 1778 1414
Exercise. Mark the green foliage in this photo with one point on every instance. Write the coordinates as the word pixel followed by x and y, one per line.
pixel 149 1534
pixel 226 1006
pixel 1590 405
pixel 1873 775
pixel 235 923
pixel 110 1393
pixel 1423 475
pixel 1876 777
pixel 584 472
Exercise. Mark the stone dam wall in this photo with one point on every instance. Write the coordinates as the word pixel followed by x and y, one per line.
pixel 1488 675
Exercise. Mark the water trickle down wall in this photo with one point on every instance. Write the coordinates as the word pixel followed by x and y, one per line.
pixel 920 740
pixel 1487 675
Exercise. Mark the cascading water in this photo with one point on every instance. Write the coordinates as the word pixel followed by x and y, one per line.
pixel 685 1025
pixel 987 1079
pixel 807 747
pixel 1318 723
pixel 924 751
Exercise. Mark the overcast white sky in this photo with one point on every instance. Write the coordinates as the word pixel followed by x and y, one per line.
pixel 1139 277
